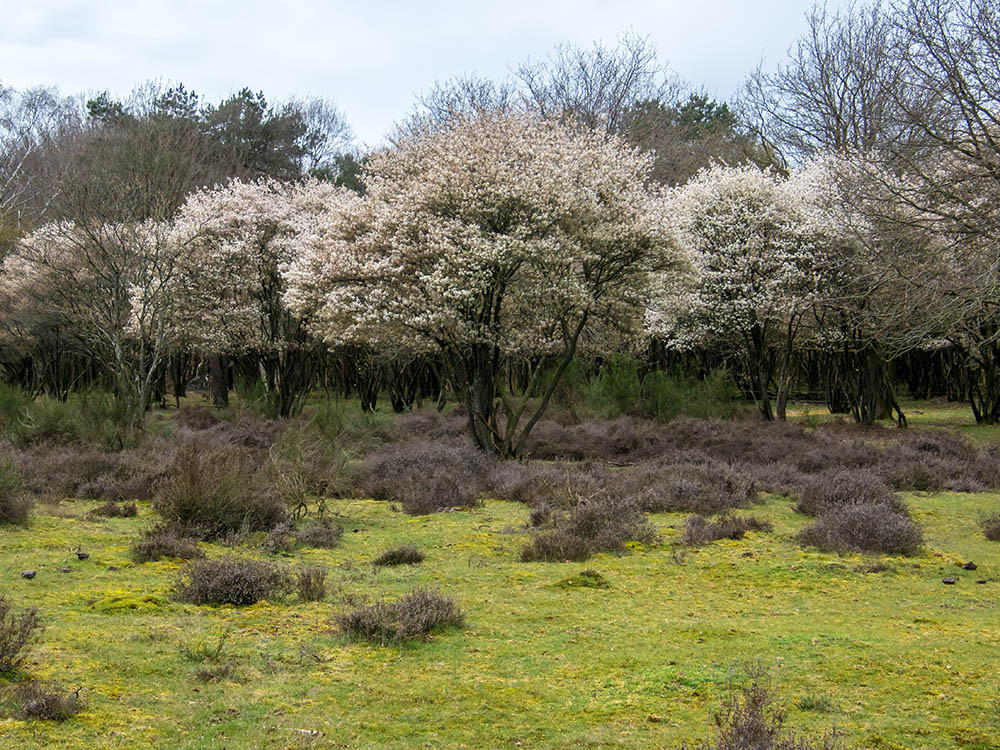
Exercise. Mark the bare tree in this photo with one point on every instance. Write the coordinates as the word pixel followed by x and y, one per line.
pixel 838 90
pixel 598 86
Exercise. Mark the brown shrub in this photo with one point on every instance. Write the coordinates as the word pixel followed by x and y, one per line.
pixel 19 630
pixel 753 720
pixel 212 490
pixel 111 509
pixel 699 530
pixel 598 524
pixel 310 582
pixel 231 581
pixel 990 524
pixel 835 487
pixel 418 614
pixel 405 554
pixel 37 700
pixel 423 476
pixel 874 527
pixel 163 542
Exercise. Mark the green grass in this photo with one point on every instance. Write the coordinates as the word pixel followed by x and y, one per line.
pixel 640 662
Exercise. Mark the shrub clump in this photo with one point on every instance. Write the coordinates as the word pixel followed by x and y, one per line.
pixel 212 491
pixel 699 530
pixel 418 614
pixel 231 581
pixel 310 582
pixel 425 476
pixel 111 509
pixel 405 554
pixel 37 700
pixel 323 534
pixel 163 542
pixel 990 524
pixel 872 527
pixel 838 487
pixel 752 720
pixel 601 524
pixel 19 629
pixel 15 502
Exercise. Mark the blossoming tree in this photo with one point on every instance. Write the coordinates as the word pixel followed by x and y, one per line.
pixel 228 289
pixel 489 239
pixel 754 263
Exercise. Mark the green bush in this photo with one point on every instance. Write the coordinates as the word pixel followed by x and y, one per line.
pixel 15 502
pixel 616 388
pixel 665 397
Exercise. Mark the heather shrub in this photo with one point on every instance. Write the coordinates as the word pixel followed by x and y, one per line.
pixel 874 527
pixel 231 581
pixel 418 614
pixel 111 509
pixel 699 530
pixel 310 583
pixel 836 487
pixel 212 490
pixel 990 524
pixel 37 700
pixel 161 542
pixel 86 471
pixel 195 418
pixel 425 476
pixel 19 629
pixel 321 534
pixel 15 502
pixel 705 487
pixel 753 720
pixel 405 554
pixel 598 524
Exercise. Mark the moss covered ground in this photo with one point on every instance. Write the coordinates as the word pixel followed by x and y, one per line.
pixel 642 661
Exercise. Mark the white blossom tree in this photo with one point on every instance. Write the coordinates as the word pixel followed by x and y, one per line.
pixel 228 290
pixel 755 263
pixel 495 237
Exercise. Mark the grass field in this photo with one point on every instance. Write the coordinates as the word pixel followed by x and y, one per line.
pixel 893 658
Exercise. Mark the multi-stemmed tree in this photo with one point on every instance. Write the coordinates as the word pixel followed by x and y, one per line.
pixel 490 239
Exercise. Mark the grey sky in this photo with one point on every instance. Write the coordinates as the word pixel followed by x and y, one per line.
pixel 371 58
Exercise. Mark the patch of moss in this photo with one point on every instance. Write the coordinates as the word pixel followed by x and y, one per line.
pixel 585 579
pixel 127 601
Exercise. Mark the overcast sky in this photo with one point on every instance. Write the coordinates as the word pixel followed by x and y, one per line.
pixel 372 58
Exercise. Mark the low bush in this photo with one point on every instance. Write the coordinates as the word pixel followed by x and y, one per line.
pixel 231 581
pixel 836 487
pixel 310 582
pixel 874 527
pixel 111 509
pixel 706 486
pixel 19 630
pixel 161 542
pixel 600 524
pixel 425 476
pixel 990 524
pixel 418 614
pixel 37 700
pixel 753 720
pixel 699 530
pixel 405 554
pixel 322 534
pixel 15 502
pixel 212 490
